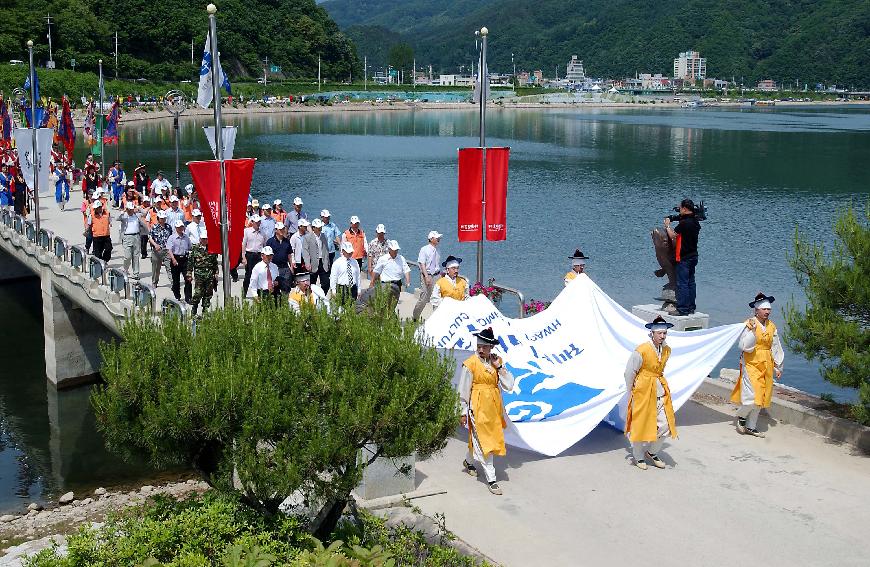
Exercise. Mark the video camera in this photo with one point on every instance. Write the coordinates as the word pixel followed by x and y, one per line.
pixel 700 211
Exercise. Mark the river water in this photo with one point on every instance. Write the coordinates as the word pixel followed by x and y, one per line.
pixel 594 179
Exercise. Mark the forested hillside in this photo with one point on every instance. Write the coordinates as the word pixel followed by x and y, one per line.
pixel 155 36
pixel 787 40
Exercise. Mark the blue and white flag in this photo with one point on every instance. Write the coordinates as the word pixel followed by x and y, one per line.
pixel 205 93
pixel 569 361
pixel 102 87
pixel 36 85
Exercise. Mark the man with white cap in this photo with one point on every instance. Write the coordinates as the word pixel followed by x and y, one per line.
pixel 429 261
pixel 344 279
pixel 316 248
pixel 252 242
pixel 357 238
pixel 760 364
pixel 202 269
pixel 267 222
pixel 392 269
pixel 294 216
pixel 157 237
pixel 160 185
pixel 300 259
pixel 149 219
pixel 193 227
pixel 578 266
pixel 281 250
pixel 481 407
pixel 332 233
pixel 650 414
pixel 304 292
pixel 100 221
pixel 278 212
pixel 178 246
pixel 451 284
pixel 130 242
pixel 264 278
pixel 377 248
pixel 175 212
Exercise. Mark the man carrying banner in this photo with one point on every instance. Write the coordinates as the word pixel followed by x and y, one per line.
pixel 483 375
pixel 202 269
pixel 650 415
pixel 450 284
pixel 578 266
pixel 760 363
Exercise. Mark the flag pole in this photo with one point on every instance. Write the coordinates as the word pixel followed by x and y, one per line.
pixel 481 69
pixel 35 159
pixel 102 128
pixel 219 151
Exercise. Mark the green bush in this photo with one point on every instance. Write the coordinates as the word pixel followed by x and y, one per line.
pixel 267 402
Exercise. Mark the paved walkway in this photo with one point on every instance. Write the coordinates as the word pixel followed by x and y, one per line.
pixel 791 499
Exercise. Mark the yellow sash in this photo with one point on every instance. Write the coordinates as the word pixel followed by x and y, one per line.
pixel 640 420
pixel 299 297
pixel 758 366
pixel 449 289
pixel 486 405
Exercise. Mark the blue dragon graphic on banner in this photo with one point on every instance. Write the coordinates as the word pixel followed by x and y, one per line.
pixel 538 403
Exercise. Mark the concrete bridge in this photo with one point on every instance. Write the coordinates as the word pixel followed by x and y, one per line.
pixel 85 300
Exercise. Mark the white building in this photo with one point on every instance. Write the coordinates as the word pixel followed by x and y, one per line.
pixel 575 72
pixel 690 66
pixel 456 81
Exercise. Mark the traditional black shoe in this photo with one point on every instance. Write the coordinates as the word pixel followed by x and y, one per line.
pixel 641 464
pixel 494 488
pixel 657 462
pixel 469 468
pixel 755 432
pixel 741 426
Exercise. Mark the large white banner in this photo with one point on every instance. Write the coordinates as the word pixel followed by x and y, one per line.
pixel 569 361
pixel 228 138
pixel 24 143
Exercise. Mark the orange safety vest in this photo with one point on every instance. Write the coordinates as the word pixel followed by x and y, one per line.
pixel 99 224
pixel 358 240
pixel 279 216
pixel 188 210
pixel 640 419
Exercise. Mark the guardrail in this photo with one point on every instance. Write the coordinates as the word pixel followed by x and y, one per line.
pixel 18 224
pixel 518 293
pixel 173 307
pixel 61 248
pixel 44 238
pixel 30 231
pixel 6 218
pixel 97 269
pixel 78 258
pixel 145 297
pixel 118 281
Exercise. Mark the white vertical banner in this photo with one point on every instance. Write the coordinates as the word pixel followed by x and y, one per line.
pixel 229 139
pixel 26 151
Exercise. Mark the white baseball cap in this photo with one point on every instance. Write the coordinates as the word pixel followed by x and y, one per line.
pixel 173 199
pixel 297 201
pixel 317 223
pixel 347 247
pixel 354 219
pixel 303 222
pixel 98 205
pixel 161 214
pixel 188 187
pixel 146 198
pixel 178 223
pixel 255 203
pixel 266 206
pixel 129 183
pixel 434 234
pixel 394 245
pixel 279 225
pixel 276 202
pixel 256 218
pixel 325 213
pixel 196 213
pixel 130 205
pixel 381 229
pixel 267 250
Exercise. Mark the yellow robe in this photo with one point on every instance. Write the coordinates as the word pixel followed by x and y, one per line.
pixel 758 366
pixel 570 276
pixel 486 405
pixel 449 289
pixel 297 296
pixel 640 420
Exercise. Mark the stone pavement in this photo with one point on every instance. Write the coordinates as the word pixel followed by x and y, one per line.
pixel 793 498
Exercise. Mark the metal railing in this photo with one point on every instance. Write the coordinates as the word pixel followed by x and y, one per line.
pixel 30 230
pixel 61 248
pixel 518 293
pixel 6 218
pixel 144 297
pixel 97 269
pixel 44 238
pixel 18 224
pixel 77 257
pixel 118 282
pixel 173 307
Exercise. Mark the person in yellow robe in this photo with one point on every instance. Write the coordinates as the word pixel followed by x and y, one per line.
pixel 480 383
pixel 451 284
pixel 578 266
pixel 305 293
pixel 760 363
pixel 650 415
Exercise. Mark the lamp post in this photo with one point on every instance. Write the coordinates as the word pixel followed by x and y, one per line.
pixel 102 128
pixel 481 71
pixel 35 159
pixel 176 105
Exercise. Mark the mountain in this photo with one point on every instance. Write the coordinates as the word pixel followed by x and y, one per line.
pixel 154 36
pixel 787 40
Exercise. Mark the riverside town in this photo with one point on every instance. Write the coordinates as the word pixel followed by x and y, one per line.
pixel 391 283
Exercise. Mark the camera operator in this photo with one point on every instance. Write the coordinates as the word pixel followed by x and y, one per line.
pixel 686 254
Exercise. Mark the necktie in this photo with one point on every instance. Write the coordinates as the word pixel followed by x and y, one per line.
pixel 269 277
pixel 349 275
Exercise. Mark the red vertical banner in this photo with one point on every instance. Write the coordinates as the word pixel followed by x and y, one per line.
pixel 496 192
pixel 470 204
pixel 207 181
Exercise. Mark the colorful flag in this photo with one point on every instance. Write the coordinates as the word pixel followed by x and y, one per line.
pixel 205 93
pixel 111 135
pixel 36 84
pixel 90 135
pixel 66 130
pixel 5 123
pixel 50 120
pixel 496 192
pixel 470 207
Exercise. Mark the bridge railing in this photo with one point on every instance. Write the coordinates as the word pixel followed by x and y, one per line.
pixel 6 218
pixel 145 297
pixel 170 306
pixel 516 292
pixel 118 282
pixel 97 269
pixel 44 239
pixel 18 224
pixel 78 257
pixel 30 230
pixel 61 248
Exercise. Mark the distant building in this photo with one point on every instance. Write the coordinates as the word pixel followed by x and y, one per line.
pixel 456 81
pixel 539 77
pixel 523 78
pixel 575 72
pixel 767 85
pixel 715 84
pixel 657 82
pixel 690 66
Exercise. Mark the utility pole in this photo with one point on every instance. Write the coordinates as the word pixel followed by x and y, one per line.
pixel 50 63
pixel 318 73
pixel 265 71
pixel 366 72
pixel 192 62
pixel 116 55
pixel 515 67
pixel 414 78
pixel 483 88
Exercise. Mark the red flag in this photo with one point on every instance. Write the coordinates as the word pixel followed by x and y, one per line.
pixel 470 207
pixel 207 181
pixel 496 192
pixel 66 130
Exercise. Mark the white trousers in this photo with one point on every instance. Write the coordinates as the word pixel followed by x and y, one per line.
pixel 477 453
pixel 639 448
pixel 750 413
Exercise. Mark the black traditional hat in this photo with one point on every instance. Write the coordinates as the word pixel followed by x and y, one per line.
pixel 451 259
pixel 659 324
pixel 761 297
pixel 486 336
pixel 578 255
pixel 301 273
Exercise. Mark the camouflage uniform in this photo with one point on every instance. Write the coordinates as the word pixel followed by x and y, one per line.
pixel 203 268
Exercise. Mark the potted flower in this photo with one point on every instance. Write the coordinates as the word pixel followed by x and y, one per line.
pixel 533 306
pixel 489 290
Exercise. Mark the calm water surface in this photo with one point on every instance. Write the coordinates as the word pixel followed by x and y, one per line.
pixel 597 180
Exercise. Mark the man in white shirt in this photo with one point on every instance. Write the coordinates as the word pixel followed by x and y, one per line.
pixel 192 229
pixel 344 280
pixel 174 212
pixel 429 261
pixel 392 267
pixel 252 243
pixel 297 243
pixel 130 241
pixel 159 185
pixel 264 278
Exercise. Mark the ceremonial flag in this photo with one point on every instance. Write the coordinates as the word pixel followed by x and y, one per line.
pixel 469 201
pixel 35 82
pixel 207 180
pixel 482 78
pixel 102 88
pixel 111 135
pixel 41 116
pixel 90 135
pixel 26 160
pixel 51 120
pixel 5 123
pixel 66 130
pixel 205 94
pixel 228 139
pixel 496 192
